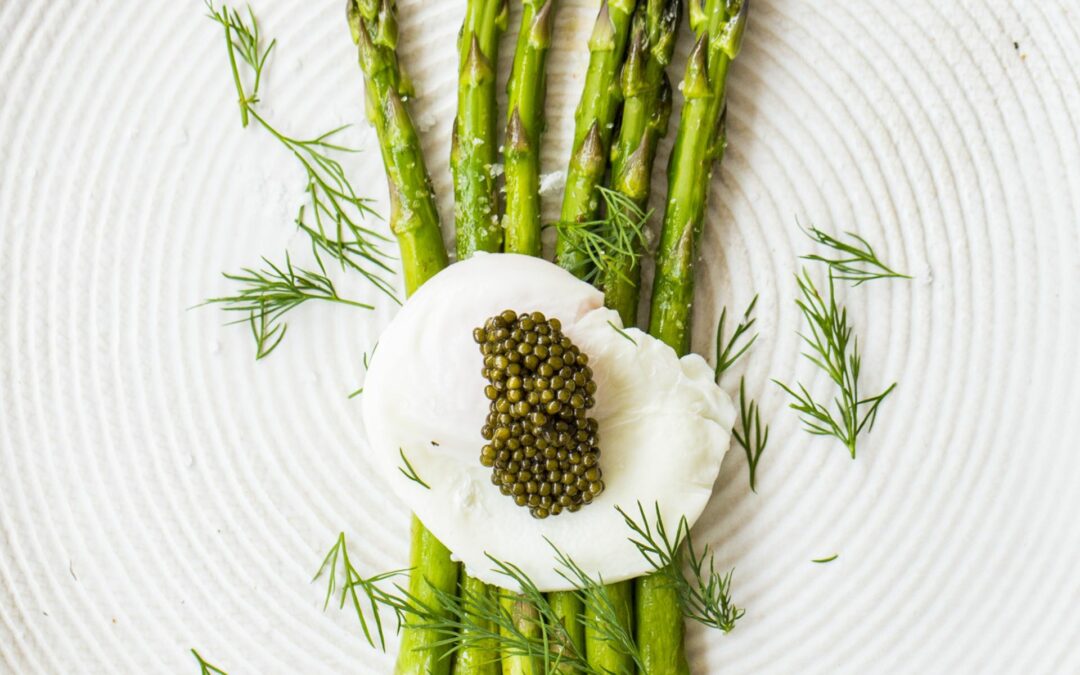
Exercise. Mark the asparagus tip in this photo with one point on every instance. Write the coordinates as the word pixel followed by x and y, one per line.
pixel 603 35
pixel 541 25
pixel 352 14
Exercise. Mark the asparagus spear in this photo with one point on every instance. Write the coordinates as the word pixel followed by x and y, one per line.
pixel 594 125
pixel 719 25
pixel 473 660
pixel 414 221
pixel 526 617
pixel 646 94
pixel 567 608
pixel 475 149
pixel 521 223
pixel 646 111
pixel 600 653
pixel 472 158
pixel 525 124
pixel 699 144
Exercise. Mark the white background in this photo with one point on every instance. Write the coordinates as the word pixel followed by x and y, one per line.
pixel 159 490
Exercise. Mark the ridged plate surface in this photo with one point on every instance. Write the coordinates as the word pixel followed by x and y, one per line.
pixel 159 490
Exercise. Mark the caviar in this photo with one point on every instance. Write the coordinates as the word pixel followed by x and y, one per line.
pixel 541 444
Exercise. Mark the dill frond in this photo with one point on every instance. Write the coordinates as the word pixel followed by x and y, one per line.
pixel 206 668
pixel 521 623
pixel 730 351
pixel 334 218
pixel 603 617
pixel 623 333
pixel 854 261
pixel 751 436
pixel 266 295
pixel 409 472
pixel 619 235
pixel 242 40
pixel 832 347
pixel 704 592
pixel 366 595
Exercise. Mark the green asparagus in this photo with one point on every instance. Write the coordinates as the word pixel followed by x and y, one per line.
pixel 526 619
pixel 594 125
pixel 719 25
pixel 414 221
pixel 601 653
pixel 525 124
pixel 474 659
pixel 475 151
pixel 594 121
pixel 646 111
pixel 521 223
pixel 431 569
pixel 567 607
pixel 698 146
pixel 472 158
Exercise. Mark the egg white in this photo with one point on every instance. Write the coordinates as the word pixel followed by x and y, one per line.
pixel 664 426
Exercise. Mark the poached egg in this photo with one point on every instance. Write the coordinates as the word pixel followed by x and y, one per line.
pixel 664 425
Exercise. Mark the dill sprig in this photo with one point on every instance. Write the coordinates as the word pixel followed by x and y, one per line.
pixel 856 260
pixel 338 212
pixel 243 41
pixel 833 348
pixel 335 215
pixel 730 351
pixel 521 623
pixel 618 236
pixel 355 586
pixel 336 207
pixel 266 295
pixel 705 594
pixel 604 618
pixel 367 367
pixel 409 472
pixel 751 436
pixel 503 621
pixel 206 668
pixel 623 333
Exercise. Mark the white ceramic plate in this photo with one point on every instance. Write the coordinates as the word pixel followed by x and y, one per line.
pixel 159 490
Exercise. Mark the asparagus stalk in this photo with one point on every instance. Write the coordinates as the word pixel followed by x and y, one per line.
pixel 526 618
pixel 414 220
pixel 472 158
pixel 698 146
pixel 594 124
pixel 599 651
pixel 567 607
pixel 521 223
pixel 477 660
pixel 719 25
pixel 525 124
pixel 475 150
pixel 594 121
pixel 646 94
pixel 646 111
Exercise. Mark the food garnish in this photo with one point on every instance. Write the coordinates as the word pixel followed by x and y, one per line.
pixel 541 445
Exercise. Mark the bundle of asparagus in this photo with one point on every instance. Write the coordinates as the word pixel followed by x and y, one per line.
pixel 626 99
pixel 452 621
